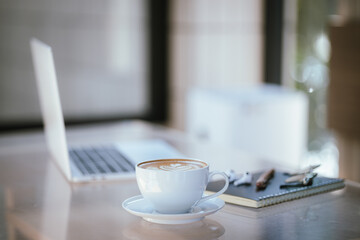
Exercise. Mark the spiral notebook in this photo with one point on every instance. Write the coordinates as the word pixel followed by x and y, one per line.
pixel 247 195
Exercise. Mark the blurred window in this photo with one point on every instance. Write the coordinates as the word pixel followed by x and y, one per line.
pixel 102 58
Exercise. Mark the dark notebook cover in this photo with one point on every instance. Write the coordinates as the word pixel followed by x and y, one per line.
pixel 248 195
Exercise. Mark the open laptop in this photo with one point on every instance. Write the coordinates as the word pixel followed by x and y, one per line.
pixel 89 163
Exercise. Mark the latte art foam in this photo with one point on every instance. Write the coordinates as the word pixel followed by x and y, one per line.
pixel 173 165
pixel 179 167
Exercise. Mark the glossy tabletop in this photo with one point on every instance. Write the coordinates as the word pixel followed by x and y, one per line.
pixel 36 202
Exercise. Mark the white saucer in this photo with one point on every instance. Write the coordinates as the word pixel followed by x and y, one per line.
pixel 140 207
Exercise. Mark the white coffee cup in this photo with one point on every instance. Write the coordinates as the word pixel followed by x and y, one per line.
pixel 175 186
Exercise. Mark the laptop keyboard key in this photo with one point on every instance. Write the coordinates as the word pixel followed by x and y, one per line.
pixel 100 160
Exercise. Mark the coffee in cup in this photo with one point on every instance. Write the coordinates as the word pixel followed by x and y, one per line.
pixel 174 186
pixel 173 165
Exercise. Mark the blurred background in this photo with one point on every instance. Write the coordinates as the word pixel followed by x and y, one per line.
pixel 278 79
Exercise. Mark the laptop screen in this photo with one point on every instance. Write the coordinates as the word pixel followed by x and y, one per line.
pixel 50 103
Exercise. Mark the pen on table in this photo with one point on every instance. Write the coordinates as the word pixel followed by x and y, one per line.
pixel 264 178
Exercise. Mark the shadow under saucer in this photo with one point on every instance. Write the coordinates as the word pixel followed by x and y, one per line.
pixel 204 229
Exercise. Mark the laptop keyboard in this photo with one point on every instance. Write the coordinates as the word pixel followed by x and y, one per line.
pixel 100 160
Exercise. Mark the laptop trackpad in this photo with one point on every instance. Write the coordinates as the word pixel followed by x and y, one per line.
pixel 139 151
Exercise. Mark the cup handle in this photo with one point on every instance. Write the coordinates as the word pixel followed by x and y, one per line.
pixel 203 199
